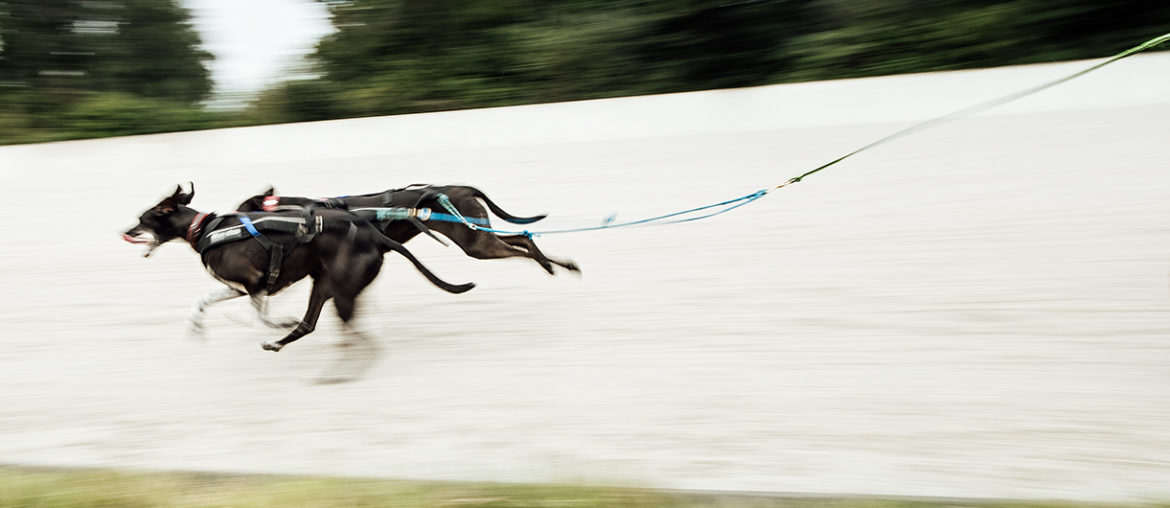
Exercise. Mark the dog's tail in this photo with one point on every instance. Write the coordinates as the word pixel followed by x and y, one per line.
pixel 505 215
pixel 387 245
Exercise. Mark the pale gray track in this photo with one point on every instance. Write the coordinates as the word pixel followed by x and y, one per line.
pixel 981 310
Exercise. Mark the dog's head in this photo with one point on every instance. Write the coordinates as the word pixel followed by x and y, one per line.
pixel 266 202
pixel 163 222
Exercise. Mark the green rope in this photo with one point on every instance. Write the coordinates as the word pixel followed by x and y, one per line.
pixel 984 106
pixel 394 213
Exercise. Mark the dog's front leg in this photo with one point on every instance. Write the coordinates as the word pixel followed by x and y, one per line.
pixel 195 328
pixel 317 298
pixel 260 305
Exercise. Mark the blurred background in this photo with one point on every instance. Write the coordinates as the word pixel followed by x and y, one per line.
pixel 93 68
pixel 978 311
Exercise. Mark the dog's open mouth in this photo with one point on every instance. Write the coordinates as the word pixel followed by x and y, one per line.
pixel 142 238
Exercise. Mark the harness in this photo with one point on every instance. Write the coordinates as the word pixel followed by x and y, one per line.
pixel 272 204
pixel 234 227
pixel 390 208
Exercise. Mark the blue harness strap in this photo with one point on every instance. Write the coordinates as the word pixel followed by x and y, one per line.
pixel 248 225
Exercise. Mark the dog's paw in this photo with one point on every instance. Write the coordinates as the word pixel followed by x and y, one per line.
pixel 270 346
pixel 572 267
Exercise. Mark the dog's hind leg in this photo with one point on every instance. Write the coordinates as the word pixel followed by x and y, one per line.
pixel 317 299
pixel 534 252
pixel 484 245
pixel 260 305
pixel 195 329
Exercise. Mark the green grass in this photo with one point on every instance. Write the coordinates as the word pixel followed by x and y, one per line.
pixel 28 488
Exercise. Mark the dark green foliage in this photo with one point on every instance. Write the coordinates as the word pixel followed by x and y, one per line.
pixel 878 38
pixel 153 54
pixel 408 56
pixel 73 68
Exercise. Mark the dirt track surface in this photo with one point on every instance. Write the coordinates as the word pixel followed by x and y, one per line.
pixel 981 310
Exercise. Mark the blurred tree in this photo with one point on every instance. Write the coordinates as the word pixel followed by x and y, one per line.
pixel 33 35
pixel 405 56
pixel 151 50
pixel 143 47
pixel 722 45
pixel 887 36
pixel 59 58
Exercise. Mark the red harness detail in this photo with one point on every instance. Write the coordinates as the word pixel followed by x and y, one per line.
pixel 195 229
pixel 270 203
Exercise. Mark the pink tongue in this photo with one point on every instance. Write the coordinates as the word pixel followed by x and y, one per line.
pixel 132 239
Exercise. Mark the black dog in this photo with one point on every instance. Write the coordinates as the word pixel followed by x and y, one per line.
pixel 474 242
pixel 340 252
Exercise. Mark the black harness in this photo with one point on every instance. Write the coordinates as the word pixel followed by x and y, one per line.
pixel 389 199
pixel 234 227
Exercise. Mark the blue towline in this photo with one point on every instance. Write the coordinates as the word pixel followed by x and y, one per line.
pixel 478 224
pixel 731 204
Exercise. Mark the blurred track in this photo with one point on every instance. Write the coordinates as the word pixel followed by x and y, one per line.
pixel 981 310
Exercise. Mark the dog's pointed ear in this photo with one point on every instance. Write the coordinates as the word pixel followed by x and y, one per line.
pixel 270 192
pixel 170 203
pixel 183 198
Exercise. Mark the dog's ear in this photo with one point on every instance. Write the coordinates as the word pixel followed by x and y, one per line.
pixel 184 198
pixel 167 205
pixel 270 192
pixel 170 203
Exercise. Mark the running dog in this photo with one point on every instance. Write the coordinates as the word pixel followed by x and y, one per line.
pixel 262 254
pixel 476 243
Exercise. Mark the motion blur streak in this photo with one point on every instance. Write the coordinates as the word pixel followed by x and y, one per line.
pixel 979 310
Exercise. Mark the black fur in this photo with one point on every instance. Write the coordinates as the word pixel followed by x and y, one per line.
pixel 341 262
pixel 475 243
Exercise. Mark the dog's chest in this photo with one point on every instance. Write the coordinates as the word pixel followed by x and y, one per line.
pixel 230 283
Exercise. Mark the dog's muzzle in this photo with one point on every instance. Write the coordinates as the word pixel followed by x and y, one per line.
pixel 143 238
